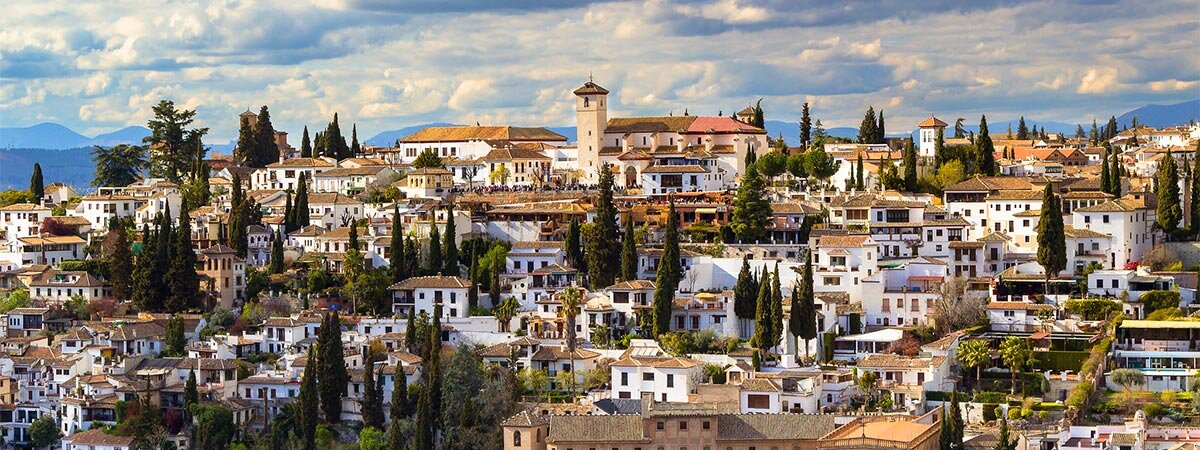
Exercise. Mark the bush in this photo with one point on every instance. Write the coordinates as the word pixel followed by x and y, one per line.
pixel 1093 308
pixel 1105 407
pixel 1059 361
pixel 1156 300
pixel 1155 410
pixel 989 412
pixel 1080 395
pixel 1168 397
pixel 990 397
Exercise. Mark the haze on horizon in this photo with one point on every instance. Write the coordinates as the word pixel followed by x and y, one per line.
pixel 97 66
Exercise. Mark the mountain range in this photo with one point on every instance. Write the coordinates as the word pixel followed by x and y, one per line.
pixel 65 154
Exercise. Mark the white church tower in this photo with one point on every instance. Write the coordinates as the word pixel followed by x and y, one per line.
pixel 928 135
pixel 591 118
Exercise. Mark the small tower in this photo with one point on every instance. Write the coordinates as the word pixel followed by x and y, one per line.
pixel 746 115
pixel 249 116
pixel 591 118
pixel 525 431
pixel 928 135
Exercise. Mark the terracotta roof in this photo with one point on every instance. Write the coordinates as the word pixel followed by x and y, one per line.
pixel 301 162
pixel 430 171
pixel 985 184
pixel 371 170
pixel 590 88
pixel 678 124
pixel 432 282
pixel 510 153
pixel 722 124
pixel 476 133
pixel 1017 195
pixel 932 122
pixel 1020 305
pixel 1072 232
pixel 632 285
pixel 97 438
pixel 773 427
pixel 555 353
pixel 674 169
pixel 890 361
pixel 665 362
pixel 524 419
pixel 1124 204
pixel 759 385
pixel 24 207
pixel 852 240
pixel 538 244
pixel 595 428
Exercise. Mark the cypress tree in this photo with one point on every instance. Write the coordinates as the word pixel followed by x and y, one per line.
pixel 604 258
pixel 355 149
pixel 289 214
pixel 306 150
pixel 143 295
pixel 333 367
pixel 859 179
pixel 397 258
pixel 300 218
pixel 1094 137
pixel 307 409
pixel 335 144
pixel 910 167
pixel 744 293
pixel 762 316
pixel 776 308
pixel 247 143
pixel 412 335
pixel 1051 239
pixel 805 128
pixel 751 210
pixel 985 158
pixel 396 439
pixel 939 147
pixel 183 282
pixel 1022 130
pixel 807 327
pixel 473 273
pixel 866 130
pixel 120 263
pixel 1195 191
pixel 1003 441
pixel 1170 213
pixel 433 361
pixel 628 252
pixel 425 416
pixel 450 253
pixel 276 264
pixel 1105 179
pixel 668 275
pixel 400 407
pixel 1114 171
pixel 371 404
pixel 264 134
pixel 37 186
pixel 880 134
pixel 574 247
pixel 191 395
pixel 435 248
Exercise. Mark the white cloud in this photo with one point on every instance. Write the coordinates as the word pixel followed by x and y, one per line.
pixel 1098 81
pixel 97 84
pixel 1172 85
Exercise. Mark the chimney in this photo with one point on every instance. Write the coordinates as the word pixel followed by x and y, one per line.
pixel 647 404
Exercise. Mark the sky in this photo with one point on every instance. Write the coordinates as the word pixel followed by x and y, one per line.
pixel 96 66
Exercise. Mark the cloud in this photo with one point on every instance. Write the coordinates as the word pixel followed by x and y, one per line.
pixel 1098 81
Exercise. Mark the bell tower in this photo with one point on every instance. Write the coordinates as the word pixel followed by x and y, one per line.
pixel 591 118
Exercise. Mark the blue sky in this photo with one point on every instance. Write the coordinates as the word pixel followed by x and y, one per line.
pixel 97 66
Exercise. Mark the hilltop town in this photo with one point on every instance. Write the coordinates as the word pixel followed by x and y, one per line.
pixel 668 282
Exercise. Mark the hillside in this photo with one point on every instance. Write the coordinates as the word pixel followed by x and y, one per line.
pixel 1160 116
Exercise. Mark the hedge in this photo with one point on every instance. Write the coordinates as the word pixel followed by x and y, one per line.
pixel 990 397
pixel 1058 360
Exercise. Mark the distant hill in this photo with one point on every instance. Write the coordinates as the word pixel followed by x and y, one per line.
pixel 127 135
pixel 42 135
pixel 72 166
pixel 1160 116
pixel 387 138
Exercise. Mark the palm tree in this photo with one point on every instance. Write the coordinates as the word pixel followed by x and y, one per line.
pixel 1017 355
pixel 974 354
pixel 505 311
pixel 571 298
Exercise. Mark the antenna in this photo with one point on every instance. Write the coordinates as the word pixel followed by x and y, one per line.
pixel 590 76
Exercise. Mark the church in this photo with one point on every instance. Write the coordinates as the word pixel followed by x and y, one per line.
pixel 662 154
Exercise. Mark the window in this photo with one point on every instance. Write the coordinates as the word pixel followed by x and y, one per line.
pixel 683 425
pixel 671 381
pixel 648 376
pixel 758 401
pixel 517 438
pixel 658 425
pixel 705 425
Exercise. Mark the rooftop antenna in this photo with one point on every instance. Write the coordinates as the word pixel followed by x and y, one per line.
pixel 589 76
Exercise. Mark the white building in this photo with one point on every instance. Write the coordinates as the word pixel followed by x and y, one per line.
pixel 420 294
pixel 645 368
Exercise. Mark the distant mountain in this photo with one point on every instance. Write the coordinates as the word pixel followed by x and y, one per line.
pixel 1160 116
pixel 569 132
pixel 72 166
pixel 42 135
pixel 387 138
pixel 127 135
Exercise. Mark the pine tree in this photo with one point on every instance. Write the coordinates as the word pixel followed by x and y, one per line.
pixel 910 167
pixel 37 187
pixel 1051 239
pixel 1094 136
pixel 331 357
pixel 120 267
pixel 758 115
pixel 1022 130
pixel 805 127
pixel 435 249
pixel 1170 213
pixel 183 281
pixel 866 130
pixel 751 210
pixel 306 150
pixel 191 394
pixel 276 264
pixel 371 404
pixel 397 258
pixel 264 136
pixel 1110 130
pixel 628 252
pixel 1003 441
pixel 604 258
pixel 335 144
pixel 308 401
pixel 985 158
pixel 450 253
pixel 669 273
pixel 355 149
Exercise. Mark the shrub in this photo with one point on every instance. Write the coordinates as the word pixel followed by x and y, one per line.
pixel 1156 300
pixel 1168 397
pixel 1080 395
pixel 1155 410
pixel 989 412
pixel 1014 413
pixel 990 397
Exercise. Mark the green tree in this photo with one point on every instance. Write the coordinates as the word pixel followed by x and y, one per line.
pixel 910 167
pixel 803 319
pixel 939 147
pixel 772 164
pixel 951 437
pixel 428 158
pixel 745 293
pixel 370 438
pixel 355 149
pixel 974 354
pixel 1022 130
pixel 332 366
pixel 171 141
pixel 959 131
pixel 371 404
pixel 191 394
pixel 574 247
pixel 247 143
pixel 820 165
pixel 1194 204
pixel 43 432
pixel 300 218
pixel 214 427
pixel 776 308
pixel 751 210
pixel 762 316
pixel 880 130
pixel 1052 243
pixel 175 343
pixel 1017 355
pixel 182 279
pixel 277 258
pixel 400 408
pixel 1127 379
pixel 436 261
pixel 398 260
pixel 1115 172
pixel 669 273
pixel 572 300
pixel 866 130
pixel 1170 213
pixel 603 258
pixel 450 252
pixel 334 144
pixel 120 269
pixel 1105 179
pixel 266 152
pixel 1003 440
pixel 306 150
pixel 37 186
pixel 805 127
pixel 628 251
pixel 985 158
pixel 860 181
pixel 119 165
